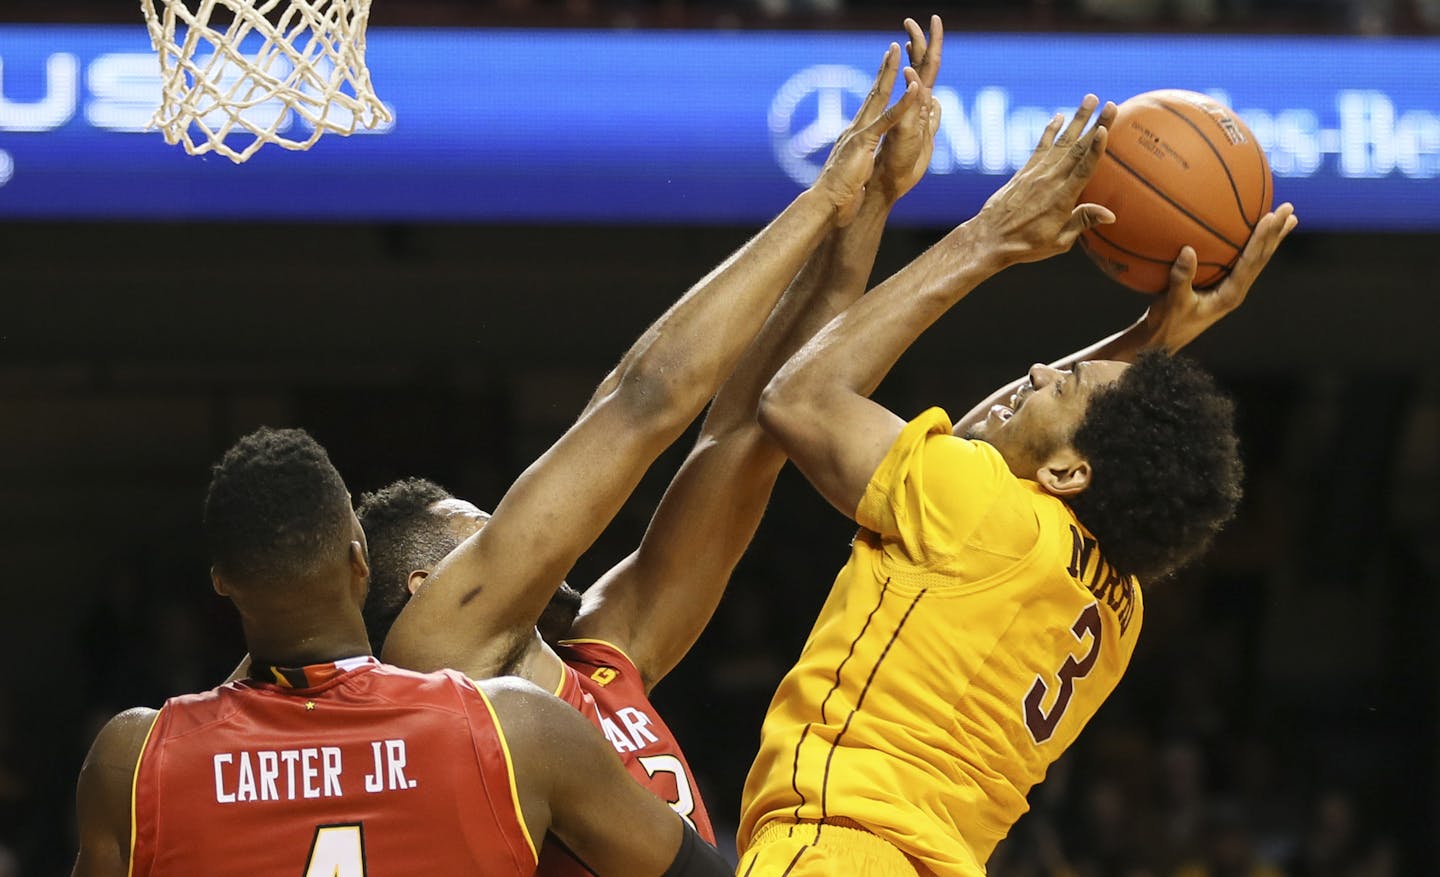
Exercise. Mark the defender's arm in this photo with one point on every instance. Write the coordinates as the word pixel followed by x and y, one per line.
pixel 477 609
pixel 655 602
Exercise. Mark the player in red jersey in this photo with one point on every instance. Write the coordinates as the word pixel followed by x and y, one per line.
pixel 327 762
pixel 479 605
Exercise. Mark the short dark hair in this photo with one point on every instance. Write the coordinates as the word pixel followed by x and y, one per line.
pixel 276 509
pixel 404 535
pixel 1165 465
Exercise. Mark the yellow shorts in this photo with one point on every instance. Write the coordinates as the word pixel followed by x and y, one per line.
pixel 813 849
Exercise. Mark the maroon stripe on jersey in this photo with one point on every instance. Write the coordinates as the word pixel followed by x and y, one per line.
pixel 859 704
pixel 795 766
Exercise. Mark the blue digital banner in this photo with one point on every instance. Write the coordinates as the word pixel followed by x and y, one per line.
pixel 695 127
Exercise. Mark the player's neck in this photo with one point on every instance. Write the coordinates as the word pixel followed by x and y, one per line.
pixel 308 640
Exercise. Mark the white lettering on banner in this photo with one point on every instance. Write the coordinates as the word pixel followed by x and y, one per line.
pixel 1361 134
pixel 54 108
pixel 124 89
pixel 1372 138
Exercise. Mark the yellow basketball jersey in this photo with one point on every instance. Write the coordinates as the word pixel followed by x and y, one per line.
pixel 974 631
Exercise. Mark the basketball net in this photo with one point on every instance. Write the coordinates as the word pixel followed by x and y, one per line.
pixel 272 71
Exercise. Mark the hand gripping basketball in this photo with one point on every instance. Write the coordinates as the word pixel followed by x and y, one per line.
pixel 1182 313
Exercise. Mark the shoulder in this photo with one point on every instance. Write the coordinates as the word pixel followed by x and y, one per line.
pixel 120 742
pixel 926 448
pixel 519 704
pixel 109 769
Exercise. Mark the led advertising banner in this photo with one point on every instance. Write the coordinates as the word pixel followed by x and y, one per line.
pixel 695 127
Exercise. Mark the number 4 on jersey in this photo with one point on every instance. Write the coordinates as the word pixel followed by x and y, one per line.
pixel 337 851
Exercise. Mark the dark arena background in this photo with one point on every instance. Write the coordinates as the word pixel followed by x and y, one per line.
pixel 441 298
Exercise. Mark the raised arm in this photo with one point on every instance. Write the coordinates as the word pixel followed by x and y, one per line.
pixel 816 406
pixel 478 608
pixel 655 602
pixel 102 795
pixel 570 782
pixel 1179 315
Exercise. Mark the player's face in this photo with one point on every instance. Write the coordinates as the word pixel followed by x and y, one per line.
pixel 1044 413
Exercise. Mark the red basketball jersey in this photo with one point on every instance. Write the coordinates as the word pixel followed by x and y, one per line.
pixel 358 769
pixel 604 685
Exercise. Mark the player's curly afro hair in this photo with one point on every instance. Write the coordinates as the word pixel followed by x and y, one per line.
pixel 276 509
pixel 1165 465
pixel 403 536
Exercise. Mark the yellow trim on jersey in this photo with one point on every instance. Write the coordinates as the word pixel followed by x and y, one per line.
pixel 600 642
pixel 134 789
pixel 509 771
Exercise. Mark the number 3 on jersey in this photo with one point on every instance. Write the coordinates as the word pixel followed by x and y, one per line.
pixel 684 802
pixel 1042 724
pixel 337 851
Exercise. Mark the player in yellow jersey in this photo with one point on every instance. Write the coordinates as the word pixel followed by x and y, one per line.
pixel 992 597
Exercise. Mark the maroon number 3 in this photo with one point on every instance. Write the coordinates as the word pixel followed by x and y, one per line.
pixel 1042 724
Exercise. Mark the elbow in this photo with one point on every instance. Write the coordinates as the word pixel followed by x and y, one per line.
pixel 780 411
pixel 656 400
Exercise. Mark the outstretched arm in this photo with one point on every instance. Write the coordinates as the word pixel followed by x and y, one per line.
pixel 816 406
pixel 477 609
pixel 655 602
pixel 102 795
pixel 570 782
pixel 1179 315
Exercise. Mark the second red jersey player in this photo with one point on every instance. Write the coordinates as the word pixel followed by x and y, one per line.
pixel 602 683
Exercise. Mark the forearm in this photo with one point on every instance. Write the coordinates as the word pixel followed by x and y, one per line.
pixel 831 280
pixel 857 349
pixel 699 340
pixel 656 602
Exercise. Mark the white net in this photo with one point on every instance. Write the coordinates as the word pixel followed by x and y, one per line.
pixel 242 73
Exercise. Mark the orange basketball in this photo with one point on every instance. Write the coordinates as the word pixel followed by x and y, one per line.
pixel 1178 169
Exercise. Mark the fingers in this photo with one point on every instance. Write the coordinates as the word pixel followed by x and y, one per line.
pixel 1107 115
pixel 1272 228
pixel 896 111
pixel 1078 121
pixel 879 95
pixel 1085 155
pixel 1182 272
pixel 925 55
pixel 1082 217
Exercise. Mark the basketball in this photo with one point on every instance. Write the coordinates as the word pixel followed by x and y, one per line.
pixel 1179 168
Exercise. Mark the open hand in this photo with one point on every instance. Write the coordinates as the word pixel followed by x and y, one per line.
pixel 1034 215
pixel 905 152
pixel 852 160
pixel 1180 314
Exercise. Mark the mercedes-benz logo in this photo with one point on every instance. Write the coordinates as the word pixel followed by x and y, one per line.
pixel 7 167
pixel 820 95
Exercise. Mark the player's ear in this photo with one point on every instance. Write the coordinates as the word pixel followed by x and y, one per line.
pixel 417 578
pixel 359 564
pixel 1064 473
pixel 217 583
